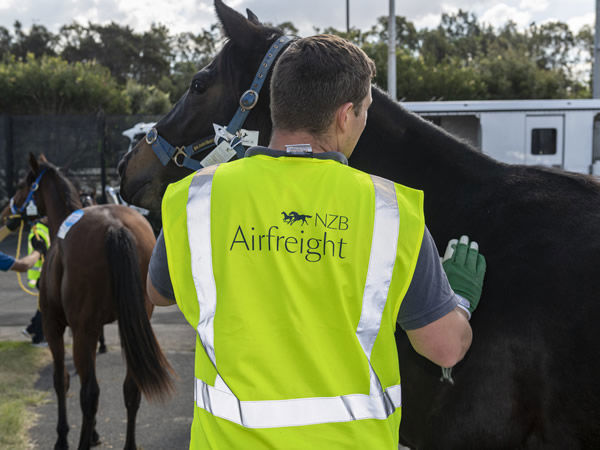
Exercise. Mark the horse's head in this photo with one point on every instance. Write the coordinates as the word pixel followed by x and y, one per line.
pixel 51 191
pixel 15 201
pixel 30 186
pixel 213 97
pixel 26 190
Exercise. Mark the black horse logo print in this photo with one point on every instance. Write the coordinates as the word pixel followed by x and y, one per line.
pixel 294 217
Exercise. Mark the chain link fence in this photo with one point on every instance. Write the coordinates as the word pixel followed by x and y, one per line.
pixel 86 147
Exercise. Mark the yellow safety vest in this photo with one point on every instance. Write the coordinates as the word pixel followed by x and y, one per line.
pixel 292 270
pixel 34 273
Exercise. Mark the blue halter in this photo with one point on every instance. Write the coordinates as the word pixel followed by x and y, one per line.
pixel 182 156
pixel 34 187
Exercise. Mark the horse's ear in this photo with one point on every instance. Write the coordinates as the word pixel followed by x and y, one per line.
pixel 33 163
pixel 237 28
pixel 42 159
pixel 252 17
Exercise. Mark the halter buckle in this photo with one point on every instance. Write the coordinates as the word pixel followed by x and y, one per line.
pixel 249 99
pixel 179 151
pixel 151 136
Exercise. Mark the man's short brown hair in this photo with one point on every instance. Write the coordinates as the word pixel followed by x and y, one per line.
pixel 313 77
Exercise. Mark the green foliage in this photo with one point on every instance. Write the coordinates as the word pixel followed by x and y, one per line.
pixel 462 59
pixel 419 81
pixel 39 41
pixel 86 67
pixel 354 35
pixel 147 99
pixel 179 81
pixel 50 85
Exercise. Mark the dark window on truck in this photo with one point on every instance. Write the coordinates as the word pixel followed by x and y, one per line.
pixel 543 141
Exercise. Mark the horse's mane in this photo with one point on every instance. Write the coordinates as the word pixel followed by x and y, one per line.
pixel 65 186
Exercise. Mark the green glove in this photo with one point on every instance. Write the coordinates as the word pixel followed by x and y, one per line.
pixel 465 269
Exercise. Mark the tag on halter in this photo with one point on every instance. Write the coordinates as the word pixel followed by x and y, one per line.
pixel 222 153
pixel 249 137
pixel 298 148
pixel 221 132
pixel 31 209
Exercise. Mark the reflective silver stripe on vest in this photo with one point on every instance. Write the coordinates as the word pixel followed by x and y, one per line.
pixel 198 223
pixel 219 400
pixel 295 412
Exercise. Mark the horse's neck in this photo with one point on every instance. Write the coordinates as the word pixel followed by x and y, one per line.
pixel 57 209
pixel 399 145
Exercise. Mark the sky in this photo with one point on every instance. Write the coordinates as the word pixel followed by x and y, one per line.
pixel 193 15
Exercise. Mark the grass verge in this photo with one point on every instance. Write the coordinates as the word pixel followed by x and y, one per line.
pixel 20 364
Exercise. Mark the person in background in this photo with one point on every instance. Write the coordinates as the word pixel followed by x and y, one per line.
pixel 38 231
pixel 25 263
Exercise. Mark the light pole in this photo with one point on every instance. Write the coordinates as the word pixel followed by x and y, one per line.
pixel 348 16
pixel 392 50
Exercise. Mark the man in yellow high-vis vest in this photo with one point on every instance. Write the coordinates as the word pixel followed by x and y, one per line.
pixel 294 269
pixel 39 237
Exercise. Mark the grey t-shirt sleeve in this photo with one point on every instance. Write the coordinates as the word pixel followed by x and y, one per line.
pixel 429 295
pixel 158 270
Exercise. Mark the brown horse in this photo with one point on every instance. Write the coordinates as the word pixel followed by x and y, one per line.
pixel 93 274
pixel 86 198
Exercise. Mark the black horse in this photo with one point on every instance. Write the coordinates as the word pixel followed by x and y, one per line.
pixel 530 379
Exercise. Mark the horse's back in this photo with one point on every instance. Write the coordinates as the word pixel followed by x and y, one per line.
pixel 530 377
pixel 83 257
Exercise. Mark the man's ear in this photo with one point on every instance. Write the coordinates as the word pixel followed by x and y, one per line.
pixel 343 116
pixel 240 30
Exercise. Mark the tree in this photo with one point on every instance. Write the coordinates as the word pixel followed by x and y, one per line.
pixel 551 45
pixel 355 35
pixel 51 85
pixel 406 34
pixel 155 55
pixel 147 99
pixel 114 46
pixel 5 42
pixel 38 42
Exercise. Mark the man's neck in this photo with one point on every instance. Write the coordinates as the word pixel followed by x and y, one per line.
pixel 319 144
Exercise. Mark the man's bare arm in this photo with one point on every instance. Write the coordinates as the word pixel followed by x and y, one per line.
pixel 156 297
pixel 444 341
pixel 26 263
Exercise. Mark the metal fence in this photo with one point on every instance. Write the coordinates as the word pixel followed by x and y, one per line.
pixel 86 147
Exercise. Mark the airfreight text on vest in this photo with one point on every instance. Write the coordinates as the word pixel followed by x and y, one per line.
pixel 293 239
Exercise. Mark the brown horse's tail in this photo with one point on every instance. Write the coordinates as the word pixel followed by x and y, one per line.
pixel 145 360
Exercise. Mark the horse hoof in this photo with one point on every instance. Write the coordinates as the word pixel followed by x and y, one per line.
pixel 102 349
pixel 61 446
pixel 95 439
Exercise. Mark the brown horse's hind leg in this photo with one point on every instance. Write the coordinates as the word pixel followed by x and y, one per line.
pixel 102 348
pixel 84 357
pixel 132 395
pixel 53 332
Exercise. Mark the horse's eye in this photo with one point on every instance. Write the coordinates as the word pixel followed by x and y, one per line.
pixel 197 87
